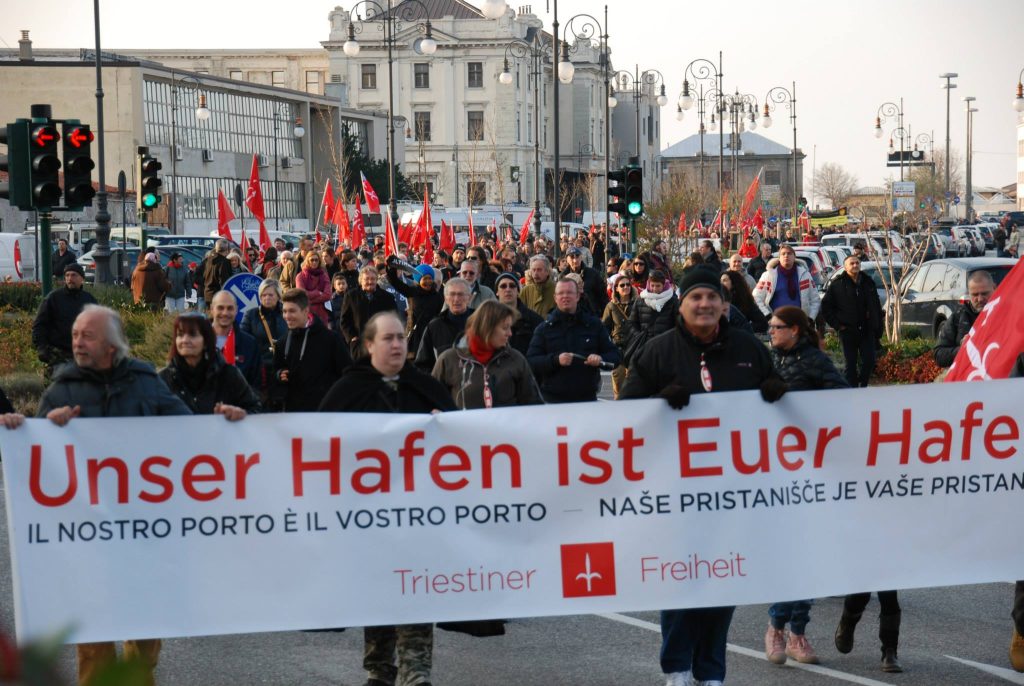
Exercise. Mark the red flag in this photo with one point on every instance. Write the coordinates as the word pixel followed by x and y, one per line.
pixel 245 250
pixel 472 233
pixel 328 202
pixel 698 225
pixel 224 215
pixel 681 228
pixel 717 222
pixel 990 348
pixel 390 242
pixel 524 232
pixel 748 199
pixel 341 221
pixel 758 219
pixel 447 238
pixel 318 237
pixel 372 201
pixel 358 227
pixel 254 198
pixel 404 233
pixel 804 221
pixel 229 344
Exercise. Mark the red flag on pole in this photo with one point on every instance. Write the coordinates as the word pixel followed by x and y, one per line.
pixel 472 233
pixel 447 238
pixel 524 232
pixel 358 227
pixel 341 221
pixel 758 219
pixel 390 242
pixel 254 198
pixel 224 215
pixel 229 346
pixel 748 199
pixel 328 202
pixel 681 228
pixel 372 201
pixel 990 348
pixel 245 250
pixel 804 221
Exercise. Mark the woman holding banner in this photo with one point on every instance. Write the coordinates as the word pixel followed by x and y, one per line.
pixel 802 364
pixel 385 381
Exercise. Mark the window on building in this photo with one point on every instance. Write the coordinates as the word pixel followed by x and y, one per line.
pixel 475 74
pixel 369 76
pixel 421 75
pixel 529 126
pixel 772 177
pixel 726 179
pixel 518 71
pixel 314 82
pixel 475 126
pixel 236 74
pixel 519 136
pixel 277 79
pixel 419 187
pixel 476 192
pixel 421 120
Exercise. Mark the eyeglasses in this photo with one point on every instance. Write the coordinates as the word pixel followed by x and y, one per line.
pixel 506 285
pixel 624 285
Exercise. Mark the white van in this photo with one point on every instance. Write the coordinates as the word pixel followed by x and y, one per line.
pixel 17 257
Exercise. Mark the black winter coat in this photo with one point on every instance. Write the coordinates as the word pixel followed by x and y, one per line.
pixel 56 316
pixel 423 307
pixel 595 289
pixel 757 266
pixel 315 358
pixel 213 381
pixel 252 324
pixel 443 332
pixel 646 318
pixel 806 367
pixel 131 389
pixel 58 261
pixel 853 305
pixel 248 358
pixel 736 361
pixel 952 332
pixel 216 272
pixel 578 333
pixel 358 308
pixel 363 389
pixel 522 330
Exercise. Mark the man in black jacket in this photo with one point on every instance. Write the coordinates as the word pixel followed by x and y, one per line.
pixel 445 330
pixel 851 306
pixel 216 269
pixel 308 359
pixel 568 349
pixel 507 290
pixel 595 293
pixel 51 329
pixel 425 301
pixel 362 303
pixel 703 354
pixel 759 264
pixel 63 257
pixel 980 287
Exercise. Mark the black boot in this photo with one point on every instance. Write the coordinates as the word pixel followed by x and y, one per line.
pixel 889 633
pixel 844 632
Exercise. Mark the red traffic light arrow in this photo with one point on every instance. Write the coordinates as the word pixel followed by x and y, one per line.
pixel 44 135
pixel 79 137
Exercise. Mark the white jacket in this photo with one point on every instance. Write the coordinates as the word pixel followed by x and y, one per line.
pixel 810 301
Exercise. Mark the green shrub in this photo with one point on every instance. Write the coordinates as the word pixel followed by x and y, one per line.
pixel 155 341
pixel 16 351
pixel 22 295
pixel 23 389
pixel 910 333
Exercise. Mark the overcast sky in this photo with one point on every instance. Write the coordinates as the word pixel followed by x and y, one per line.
pixel 846 56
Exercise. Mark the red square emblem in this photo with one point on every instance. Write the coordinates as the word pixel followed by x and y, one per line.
pixel 588 569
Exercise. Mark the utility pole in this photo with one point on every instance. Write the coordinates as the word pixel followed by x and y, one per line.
pixel 949 87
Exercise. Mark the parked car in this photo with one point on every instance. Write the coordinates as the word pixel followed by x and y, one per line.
pixel 122 261
pixel 194 239
pixel 836 254
pixel 987 229
pixel 17 257
pixel 1010 219
pixel 875 271
pixel 969 241
pixel 933 292
pixel 932 251
pixel 945 234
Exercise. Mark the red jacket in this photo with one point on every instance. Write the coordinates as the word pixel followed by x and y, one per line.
pixel 317 285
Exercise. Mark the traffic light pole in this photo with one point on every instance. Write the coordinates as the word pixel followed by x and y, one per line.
pixel 43 253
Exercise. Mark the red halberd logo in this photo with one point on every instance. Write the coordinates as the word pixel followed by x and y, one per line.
pixel 588 569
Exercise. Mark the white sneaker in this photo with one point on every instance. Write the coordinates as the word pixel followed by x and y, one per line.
pixel 679 679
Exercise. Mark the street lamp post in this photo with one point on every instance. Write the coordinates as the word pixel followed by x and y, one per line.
pixel 640 84
pixel 298 131
pixel 777 96
pixel 202 114
pixel 389 16
pixel 455 163
pixel 889 109
pixel 949 88
pixel 968 189
pixel 1018 102
pixel 924 139
pixel 702 69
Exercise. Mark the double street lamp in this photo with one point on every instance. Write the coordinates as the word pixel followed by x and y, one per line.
pixel 949 86
pixel 282 111
pixel 388 16
pixel 777 96
pixel 891 109
pixel 642 84
pixel 700 71
pixel 968 189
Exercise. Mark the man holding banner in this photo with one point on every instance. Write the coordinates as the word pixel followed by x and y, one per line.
pixel 701 355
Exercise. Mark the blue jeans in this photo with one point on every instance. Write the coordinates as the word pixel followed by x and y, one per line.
pixel 695 640
pixel 796 613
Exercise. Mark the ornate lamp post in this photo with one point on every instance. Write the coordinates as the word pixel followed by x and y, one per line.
pixel 891 109
pixel 202 113
pixel 704 70
pixel 388 17
pixel 281 111
pixel 777 96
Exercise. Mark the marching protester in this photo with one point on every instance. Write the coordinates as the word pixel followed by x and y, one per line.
pixel 266 325
pixel 980 287
pixel 803 365
pixel 702 354
pixel 339 285
pixel 267 263
pixel 149 283
pixel 735 265
pixel 178 284
pixel 736 290
pixel 314 280
pixel 888 625
pixel 710 256
pixel 655 312
pixel 349 262
pixel 568 349
pixel 308 359
pixel 759 265
pixel 483 370
pixel 51 328
pixel 61 258
pixel 425 301
pixel 595 296
pixel 851 306
pixel 539 292
pixel 469 271
pixel 197 373
pixel 616 319
pixel 640 271
pixel 243 352
pixel 361 304
pixel 786 282
pixel 446 328
pixel 216 269
pixel 385 381
pixel 507 288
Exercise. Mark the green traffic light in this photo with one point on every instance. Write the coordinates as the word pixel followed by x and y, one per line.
pixel 150 200
pixel 633 208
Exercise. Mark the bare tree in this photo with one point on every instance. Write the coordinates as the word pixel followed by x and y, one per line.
pixel 836 184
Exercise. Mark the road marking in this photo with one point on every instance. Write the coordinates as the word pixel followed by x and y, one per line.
pixel 1001 672
pixel 756 654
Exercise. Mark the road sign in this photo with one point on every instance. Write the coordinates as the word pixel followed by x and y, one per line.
pixel 245 287
pixel 956 199
pixel 904 189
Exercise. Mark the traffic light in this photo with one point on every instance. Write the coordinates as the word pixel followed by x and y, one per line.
pixel 617 193
pixel 148 187
pixel 78 164
pixel 634 191
pixel 44 165
pixel 16 164
pixel 801 204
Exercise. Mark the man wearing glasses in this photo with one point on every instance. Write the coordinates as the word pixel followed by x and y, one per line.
pixel 445 329
pixel 523 328
pixel 469 271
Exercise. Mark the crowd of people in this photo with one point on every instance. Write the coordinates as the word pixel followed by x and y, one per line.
pixel 488 325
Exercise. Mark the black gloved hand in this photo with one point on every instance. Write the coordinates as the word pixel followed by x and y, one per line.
pixel 676 395
pixel 773 388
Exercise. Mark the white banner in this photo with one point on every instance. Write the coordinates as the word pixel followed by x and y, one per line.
pixel 135 528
